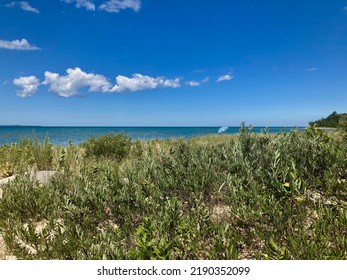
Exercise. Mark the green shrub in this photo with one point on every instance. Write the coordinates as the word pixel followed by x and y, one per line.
pixel 28 153
pixel 343 125
pixel 250 196
pixel 113 146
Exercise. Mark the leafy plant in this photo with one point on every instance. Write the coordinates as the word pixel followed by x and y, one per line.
pixel 246 196
pixel 114 146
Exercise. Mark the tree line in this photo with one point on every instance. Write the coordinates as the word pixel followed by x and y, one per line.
pixel 334 120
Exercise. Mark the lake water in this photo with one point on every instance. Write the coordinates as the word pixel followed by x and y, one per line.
pixel 76 135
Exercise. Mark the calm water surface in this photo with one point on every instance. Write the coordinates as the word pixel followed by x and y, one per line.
pixel 76 135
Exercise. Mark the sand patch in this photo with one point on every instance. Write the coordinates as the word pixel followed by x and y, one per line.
pixel 220 213
pixel 42 177
pixel 6 180
pixel 4 254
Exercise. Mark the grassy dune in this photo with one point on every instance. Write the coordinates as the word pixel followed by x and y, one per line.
pixel 250 196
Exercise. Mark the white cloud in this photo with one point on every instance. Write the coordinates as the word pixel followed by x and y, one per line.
pixel 29 85
pixel 115 6
pixel 193 83
pixel 226 77
pixel 75 80
pixel 22 45
pixel 24 5
pixel 111 6
pixel 142 82
pixel 205 80
pixel 197 83
pixel 312 69
pixel 87 4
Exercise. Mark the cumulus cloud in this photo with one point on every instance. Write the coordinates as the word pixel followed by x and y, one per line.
pixel 110 6
pixel 29 85
pixel 24 5
pixel 226 77
pixel 22 45
pixel 115 6
pixel 87 4
pixel 75 80
pixel 141 82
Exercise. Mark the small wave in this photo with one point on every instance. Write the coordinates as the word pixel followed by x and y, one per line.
pixel 222 129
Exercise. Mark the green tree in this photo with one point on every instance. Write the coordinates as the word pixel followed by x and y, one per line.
pixel 343 124
pixel 331 121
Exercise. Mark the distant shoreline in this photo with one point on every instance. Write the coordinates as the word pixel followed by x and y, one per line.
pixel 65 135
pixel 327 128
pixel 154 126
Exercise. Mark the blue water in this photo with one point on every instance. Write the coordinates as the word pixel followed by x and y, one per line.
pixel 75 135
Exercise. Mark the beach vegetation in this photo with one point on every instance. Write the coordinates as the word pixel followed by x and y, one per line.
pixel 245 196
pixel 111 145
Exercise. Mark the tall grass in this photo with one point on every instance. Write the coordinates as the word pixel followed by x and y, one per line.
pixel 253 196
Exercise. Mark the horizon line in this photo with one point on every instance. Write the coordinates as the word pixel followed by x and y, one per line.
pixel 115 126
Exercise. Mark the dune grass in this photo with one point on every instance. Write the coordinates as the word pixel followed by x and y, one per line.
pixel 250 196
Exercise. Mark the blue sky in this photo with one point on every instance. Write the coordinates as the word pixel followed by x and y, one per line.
pixel 172 63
